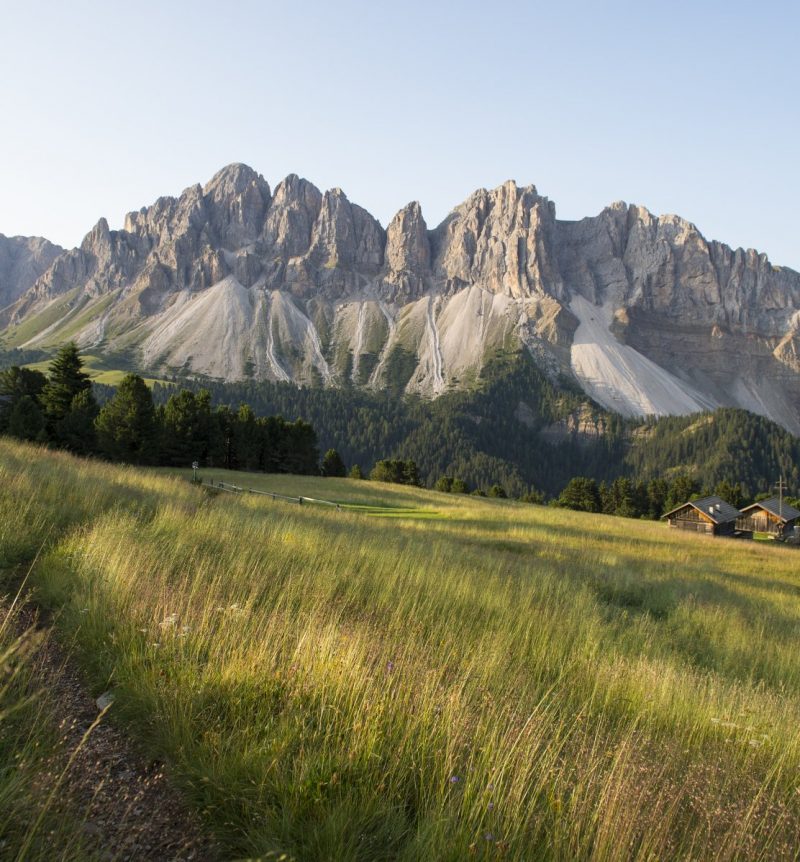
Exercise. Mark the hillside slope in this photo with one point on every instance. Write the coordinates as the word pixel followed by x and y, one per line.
pixel 520 430
pixel 497 681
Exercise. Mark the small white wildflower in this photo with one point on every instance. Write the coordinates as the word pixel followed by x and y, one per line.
pixel 169 621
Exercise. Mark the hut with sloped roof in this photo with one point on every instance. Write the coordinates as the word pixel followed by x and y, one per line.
pixel 773 516
pixel 710 515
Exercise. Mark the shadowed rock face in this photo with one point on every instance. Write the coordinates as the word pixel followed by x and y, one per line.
pixel 23 259
pixel 317 291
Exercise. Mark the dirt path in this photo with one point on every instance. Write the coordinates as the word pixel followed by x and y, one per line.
pixel 128 809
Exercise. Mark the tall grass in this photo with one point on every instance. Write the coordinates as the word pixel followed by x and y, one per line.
pixel 506 681
pixel 34 825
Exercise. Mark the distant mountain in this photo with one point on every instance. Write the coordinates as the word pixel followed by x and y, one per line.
pixel 235 281
pixel 23 259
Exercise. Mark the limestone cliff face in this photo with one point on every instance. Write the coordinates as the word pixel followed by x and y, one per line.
pixel 502 240
pixel 233 279
pixel 23 259
pixel 408 253
pixel 724 321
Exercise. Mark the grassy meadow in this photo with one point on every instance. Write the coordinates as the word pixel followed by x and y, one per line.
pixel 98 369
pixel 33 756
pixel 493 681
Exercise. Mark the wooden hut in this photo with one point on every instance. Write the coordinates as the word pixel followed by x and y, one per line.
pixel 769 516
pixel 710 515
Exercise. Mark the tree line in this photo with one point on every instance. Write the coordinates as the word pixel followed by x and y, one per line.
pixel 490 442
pixel 519 429
pixel 60 409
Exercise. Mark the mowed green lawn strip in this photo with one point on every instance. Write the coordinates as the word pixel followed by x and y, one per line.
pixel 370 498
pixel 506 682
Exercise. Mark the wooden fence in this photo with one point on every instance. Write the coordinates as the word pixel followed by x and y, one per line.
pixel 239 489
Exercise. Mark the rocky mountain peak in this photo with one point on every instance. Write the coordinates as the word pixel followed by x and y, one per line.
pixel 347 235
pixel 408 248
pixel 233 180
pixel 23 260
pixel 237 199
pixel 292 215
pixel 295 284
pixel 98 239
pixel 501 239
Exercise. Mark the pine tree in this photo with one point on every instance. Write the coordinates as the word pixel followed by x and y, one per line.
pixel 75 431
pixel 682 489
pixel 249 436
pixel 657 491
pixel 66 379
pixel 25 420
pixel 20 389
pixel 332 464
pixel 68 403
pixel 731 493
pixel 185 430
pixel 126 426
pixel 581 494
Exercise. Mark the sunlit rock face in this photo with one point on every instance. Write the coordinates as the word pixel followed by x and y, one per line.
pixel 234 279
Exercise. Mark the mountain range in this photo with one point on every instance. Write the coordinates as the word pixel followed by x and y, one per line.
pixel 234 281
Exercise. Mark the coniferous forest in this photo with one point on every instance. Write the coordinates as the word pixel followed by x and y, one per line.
pixel 62 410
pixel 518 434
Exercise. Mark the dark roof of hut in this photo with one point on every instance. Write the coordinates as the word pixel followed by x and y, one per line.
pixel 773 506
pixel 715 508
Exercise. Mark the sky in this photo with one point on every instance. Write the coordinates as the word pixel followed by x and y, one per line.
pixel 688 107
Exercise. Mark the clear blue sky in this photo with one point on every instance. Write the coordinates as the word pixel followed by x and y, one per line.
pixel 687 107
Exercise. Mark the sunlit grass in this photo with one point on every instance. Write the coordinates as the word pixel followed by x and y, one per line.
pixel 33 818
pixel 502 680
pixel 98 369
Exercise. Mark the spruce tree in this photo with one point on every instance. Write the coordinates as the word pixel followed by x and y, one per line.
pixel 21 385
pixel 185 429
pixel 249 436
pixel 126 426
pixel 75 431
pixel 25 420
pixel 66 379
pixel 332 464
pixel 68 403
pixel 582 494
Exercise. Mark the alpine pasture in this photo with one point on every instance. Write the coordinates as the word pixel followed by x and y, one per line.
pixel 488 680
